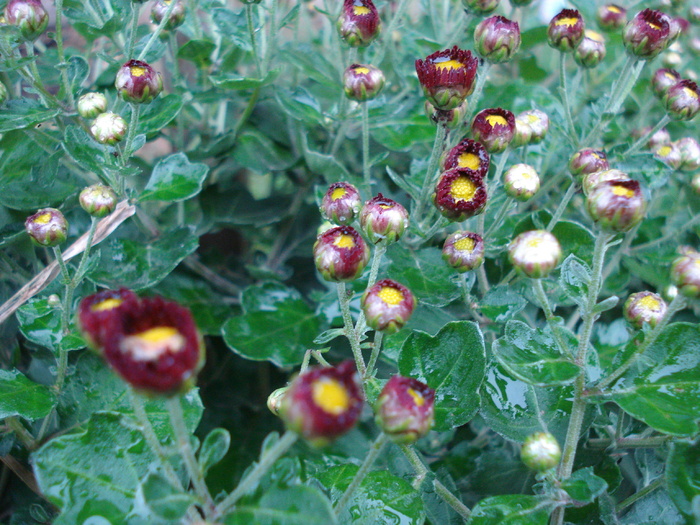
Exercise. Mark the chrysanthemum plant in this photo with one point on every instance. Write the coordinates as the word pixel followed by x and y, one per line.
pixel 346 261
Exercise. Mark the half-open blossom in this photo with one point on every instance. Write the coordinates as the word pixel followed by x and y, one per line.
pixel 647 34
pixel 682 100
pixel 468 154
pixel 565 30
pixel 591 51
pixel 359 22
pixel 108 128
pixel 177 14
pixel 669 154
pixel 662 79
pixel 362 82
pixel 29 16
pixel 540 451
pixel 405 409
pixel 481 7
pixel 323 403
pixel 534 253
pixel 644 307
pixel 494 128
pixel 91 104
pixel 341 254
pixel 690 153
pixel 685 272
pixel 592 180
pixel 497 39
pixel 387 305
pixel 137 82
pixel 587 160
pixel 341 203
pixel 616 206
pixel 463 251
pixel 383 219
pixel 521 182
pixel 47 227
pixel 447 77
pixel 611 17
pixel 98 200
pixel 460 194
pixel 95 310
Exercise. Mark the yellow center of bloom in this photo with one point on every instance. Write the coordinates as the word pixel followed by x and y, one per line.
pixel 361 70
pixel 137 71
pixel 670 76
pixel 614 9
pixel 330 396
pixel 418 399
pixel 338 193
pixel 465 244
pixel 496 120
pixel 569 22
pixel 390 295
pixel 534 242
pixel 152 343
pixel 595 36
pixel 462 189
pixel 448 64
pixel 360 10
pixel 653 26
pixel 664 151
pixel 469 160
pixel 690 93
pixel 621 191
pixel 107 304
pixel 386 206
pixel 44 218
pixel 344 241
pixel 531 119
pixel 649 302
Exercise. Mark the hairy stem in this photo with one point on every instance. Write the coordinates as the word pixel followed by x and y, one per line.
pixel 370 458
pixel 350 332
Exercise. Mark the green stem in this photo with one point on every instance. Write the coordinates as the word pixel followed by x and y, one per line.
pixel 131 131
pixel 58 36
pixel 17 428
pixel 370 458
pixel 86 253
pixel 562 206
pixel 35 75
pixel 549 314
pixel 643 140
pixel 251 32
pixel 247 111
pixel 253 478
pixel 158 30
pixel 350 332
pixel 376 349
pixel 429 182
pixel 651 487
pixel 565 98
pixel 499 217
pixel 615 260
pixel 135 12
pixel 365 147
pixel 622 443
pixel 271 41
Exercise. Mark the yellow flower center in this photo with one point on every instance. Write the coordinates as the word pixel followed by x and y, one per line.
pixel 595 36
pixel 152 343
pixel 418 399
pixel 344 241
pixel 614 9
pixel 496 120
pixel 531 119
pixel 44 218
pixel 469 160
pixel 465 244
pixel 690 93
pixel 137 71
pixel 534 242
pixel 664 151
pixel 360 10
pixel 386 206
pixel 330 396
pixel 107 304
pixel 649 302
pixel 462 189
pixel 621 191
pixel 449 64
pixel 653 26
pixel 670 76
pixel 390 295
pixel 338 193
pixel 361 70
pixel 569 22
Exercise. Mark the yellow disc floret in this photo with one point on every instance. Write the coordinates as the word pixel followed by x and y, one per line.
pixel 338 193
pixel 534 242
pixel 690 93
pixel 330 396
pixel 496 120
pixel 360 10
pixel 664 151
pixel 463 189
pixel 650 302
pixel 107 304
pixel 465 244
pixel 621 191
pixel 569 22
pixel 361 70
pixel 137 71
pixel 390 295
pixel 44 218
pixel 153 343
pixel 418 399
pixel 469 160
pixel 448 64
pixel 344 241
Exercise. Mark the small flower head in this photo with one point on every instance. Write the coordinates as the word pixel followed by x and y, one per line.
pixel 663 79
pixel 405 409
pixel 682 100
pixel 690 153
pixel 591 51
pixel 460 194
pixel 531 127
pixel 323 403
pixel 447 77
pixel 341 203
pixel 592 180
pixel 647 34
pixel 362 82
pixel 383 219
pixel 108 128
pixel 450 118
pixel 468 154
pixel 340 254
pixel 47 227
pixel 494 128
pixel 177 15
pixel 29 16
pixel 685 273
pixel 565 30
pixel 611 17
pixel 521 182
pixel 669 154
pixel 154 345
pixel 540 451
pixel 95 310
pixel 463 251
pixel 92 104
pixel 616 206
pixel 481 7
pixel 138 83
pixel 644 307
pixel 497 39
pixel 587 160
pixel 534 253
pixel 359 22
pixel 523 133
pixel 98 200
pixel 388 306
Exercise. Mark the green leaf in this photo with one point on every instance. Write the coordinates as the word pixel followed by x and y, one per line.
pixel 533 355
pixel 86 152
pixel 214 448
pixel 301 105
pixel 19 396
pixel 257 152
pixel 157 114
pixel 606 304
pixel 163 499
pixel 683 476
pixel 583 486
pixel 198 51
pixel 41 324
pixel 424 273
pixel 296 505
pixel 237 82
pixel 663 387
pixel 78 70
pixel 135 265
pixel 174 179
pixel 453 363
pixel 327 166
pixel 501 303
pixel 575 277
pixel 232 27
pixel 24 112
pixel 380 498
pixel 279 331
pixel 511 510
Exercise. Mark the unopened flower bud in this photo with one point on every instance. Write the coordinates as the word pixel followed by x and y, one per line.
pixel 29 16
pixel 177 15
pixel 341 203
pixel 383 219
pixel 359 22
pixel 450 118
pixel 362 82
pixel 587 160
pixel 611 17
pixel 538 121
pixel 534 253
pixel 685 273
pixel 669 154
pixel 647 34
pixel 108 128
pixel 591 51
pixel 592 180
pixel 274 400
pixel 521 182
pixel 460 194
pixel 670 292
pixel 663 79
pixel 672 59
pixel 98 200
pixel 463 251
pixel 53 300
pixel 523 133
pixel 540 451
pixel 95 310
pixel 90 105
pixel 660 138
pixel 494 128
pixel 694 14
pixel 447 77
pixel 137 82
pixel 565 30
pixel 468 154
pixel 47 227
pixel 682 100
pixel 340 254
pixel 404 409
pixel 616 206
pixel 323 403
pixel 497 39
pixel 481 7
pixel 690 153
pixel 644 307
pixel 387 305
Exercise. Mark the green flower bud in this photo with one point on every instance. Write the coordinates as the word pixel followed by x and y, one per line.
pixel 497 39
pixel 521 182
pixel 108 128
pixel 611 17
pixel 565 30
pixel 274 400
pixel 450 118
pixel 481 7
pixel 383 219
pixel 616 206
pixel 534 253
pixel 540 451
pixel 177 15
pixel 662 79
pixel 591 51
pixel 90 105
pixel 98 200
pixel 685 272
pixel 463 251
pixel 359 22
pixel 647 34
pixel 138 83
pixel 682 100
pixel 362 82
pixel 29 16
pixel 670 155
pixel 586 161
pixel 341 203
pixel 47 227
pixel 340 254
pixel 644 307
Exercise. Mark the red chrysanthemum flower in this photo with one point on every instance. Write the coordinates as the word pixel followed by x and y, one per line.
pixel 405 409
pixel 468 154
pixel 341 254
pixel 95 310
pixel 460 194
pixel 494 128
pixel 447 77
